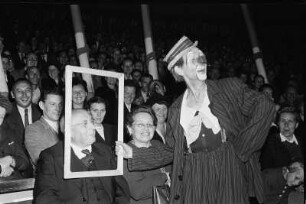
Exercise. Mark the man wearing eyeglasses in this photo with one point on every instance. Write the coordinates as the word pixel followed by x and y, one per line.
pixel 86 155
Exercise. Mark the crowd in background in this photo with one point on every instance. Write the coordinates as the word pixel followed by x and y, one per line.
pixel 38 47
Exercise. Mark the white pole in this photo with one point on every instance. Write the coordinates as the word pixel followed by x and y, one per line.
pixel 3 85
pixel 151 59
pixel 82 48
pixel 255 47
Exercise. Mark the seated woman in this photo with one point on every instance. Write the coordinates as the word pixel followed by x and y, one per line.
pixel 12 157
pixel 141 125
pixel 159 105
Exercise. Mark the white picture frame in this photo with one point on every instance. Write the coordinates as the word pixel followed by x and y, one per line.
pixel 69 70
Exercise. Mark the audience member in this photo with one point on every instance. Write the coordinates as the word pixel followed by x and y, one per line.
pixel 33 75
pixel 141 125
pixel 12 156
pixel 79 93
pixel 283 147
pixel 105 133
pixel 44 132
pixel 50 185
pixel 280 182
pixel 159 105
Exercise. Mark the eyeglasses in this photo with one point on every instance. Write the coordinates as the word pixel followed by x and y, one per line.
pixel 142 125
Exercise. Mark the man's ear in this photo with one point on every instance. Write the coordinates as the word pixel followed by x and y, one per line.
pixel 41 105
pixel 178 70
pixel 129 130
pixel 12 94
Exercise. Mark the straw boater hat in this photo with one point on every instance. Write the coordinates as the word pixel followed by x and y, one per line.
pixel 183 46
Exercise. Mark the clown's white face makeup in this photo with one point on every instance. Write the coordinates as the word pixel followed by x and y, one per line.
pixel 196 64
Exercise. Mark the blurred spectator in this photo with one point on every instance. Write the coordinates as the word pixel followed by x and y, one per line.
pixel 79 93
pixel 33 75
pixel 284 147
pixel 142 94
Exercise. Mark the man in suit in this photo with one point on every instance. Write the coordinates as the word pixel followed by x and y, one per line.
pixel 86 154
pixel 44 132
pixel 142 94
pixel 129 96
pixel 12 156
pixel 214 131
pixel 105 133
pixel 281 148
pixel 24 113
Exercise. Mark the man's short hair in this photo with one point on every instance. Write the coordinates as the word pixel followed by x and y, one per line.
pixel 30 69
pixel 77 81
pixel 288 109
pixel 54 91
pixel 146 75
pixel 21 80
pixel 96 99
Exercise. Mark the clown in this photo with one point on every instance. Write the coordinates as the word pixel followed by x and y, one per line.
pixel 214 131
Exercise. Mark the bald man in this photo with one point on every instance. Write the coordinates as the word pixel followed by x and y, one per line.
pixel 50 187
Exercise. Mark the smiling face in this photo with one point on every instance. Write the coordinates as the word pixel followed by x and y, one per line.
pixel 129 94
pixel 287 124
pixel 52 107
pixel 194 66
pixel 142 129
pixel 22 94
pixel 78 95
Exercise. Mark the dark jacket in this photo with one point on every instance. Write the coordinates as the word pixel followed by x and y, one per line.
pixel 51 187
pixel 246 116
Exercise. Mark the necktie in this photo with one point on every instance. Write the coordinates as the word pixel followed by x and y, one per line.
pixel 26 118
pixel 88 159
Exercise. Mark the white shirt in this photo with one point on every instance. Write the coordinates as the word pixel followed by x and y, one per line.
pixel 144 96
pixel 21 112
pixel 100 130
pixel 293 140
pixel 78 151
pixel 192 124
pixel 128 106
pixel 53 124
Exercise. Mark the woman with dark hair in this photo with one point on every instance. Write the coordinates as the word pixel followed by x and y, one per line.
pixel 141 124
pixel 159 106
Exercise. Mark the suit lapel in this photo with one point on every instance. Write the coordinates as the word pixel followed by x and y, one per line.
pixel 218 105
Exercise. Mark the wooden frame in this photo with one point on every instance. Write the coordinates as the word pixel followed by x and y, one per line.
pixel 68 107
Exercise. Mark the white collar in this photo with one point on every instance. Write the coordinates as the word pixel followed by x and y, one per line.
pixel 293 140
pixel 187 115
pixel 78 151
pixel 53 124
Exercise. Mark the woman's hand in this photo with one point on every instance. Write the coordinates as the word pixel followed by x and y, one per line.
pixel 124 150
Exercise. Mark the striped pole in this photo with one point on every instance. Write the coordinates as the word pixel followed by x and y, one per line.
pixel 254 42
pixel 151 59
pixel 82 48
